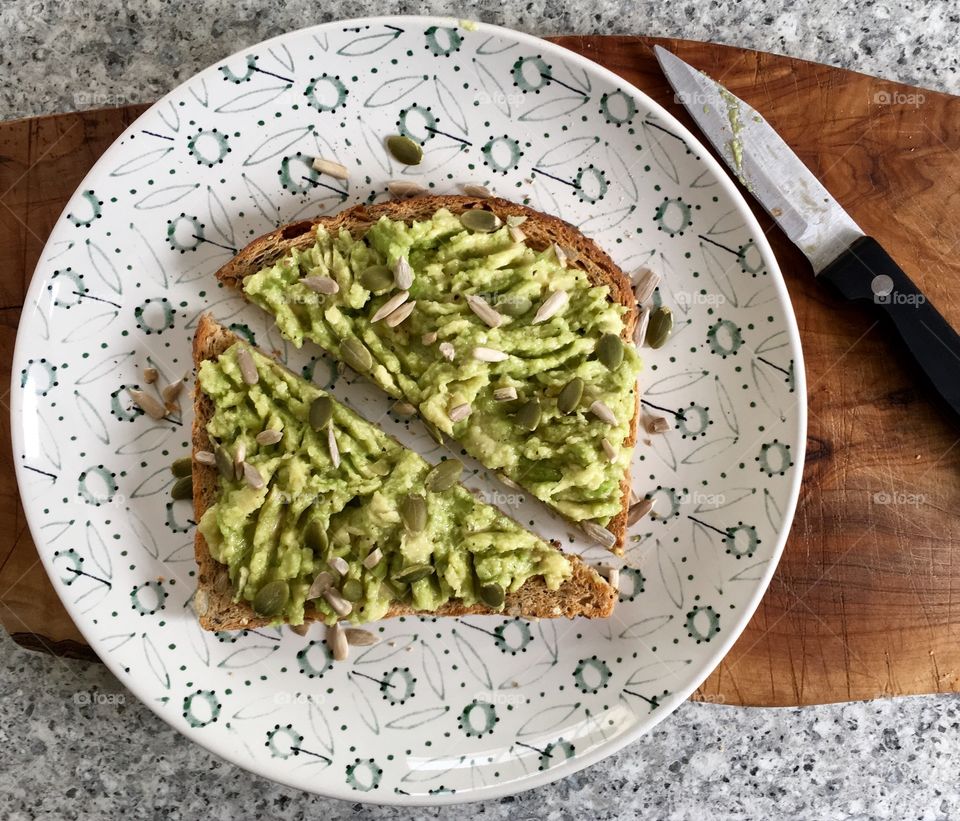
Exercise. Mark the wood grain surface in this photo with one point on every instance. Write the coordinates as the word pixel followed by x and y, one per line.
pixel 863 602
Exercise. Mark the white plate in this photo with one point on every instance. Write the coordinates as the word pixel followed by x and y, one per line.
pixel 439 711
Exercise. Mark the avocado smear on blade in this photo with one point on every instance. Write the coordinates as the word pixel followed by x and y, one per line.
pixel 309 511
pixel 562 460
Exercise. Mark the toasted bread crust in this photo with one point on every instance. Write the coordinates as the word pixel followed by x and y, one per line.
pixel 541 231
pixel 583 594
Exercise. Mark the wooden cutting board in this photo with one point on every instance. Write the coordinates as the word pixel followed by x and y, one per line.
pixel 862 604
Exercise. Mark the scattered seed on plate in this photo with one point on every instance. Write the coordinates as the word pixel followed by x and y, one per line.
pixel 150 375
pixel 171 392
pixel 480 220
pixel 330 168
pixel 612 575
pixel 599 534
pixel 321 285
pixel 659 327
pixel 332 445
pixel 506 394
pixel 609 450
pixel 482 309
pixel 403 274
pixel 404 149
pixel 405 188
pixel 338 604
pixel 373 558
pixel 645 282
pixel 474 190
pixel 390 306
pixel 643 321
pixel 300 629
pixel 603 413
pixel 404 408
pixel 489 354
pixel 447 351
pixel 429 338
pixel 459 412
pixel 150 405
pixel 639 510
pixel 252 476
pixel 357 637
pixel 205 457
pixel 337 642
pixel 269 436
pixel 182 488
pixel 182 467
pixel 551 305
pixel 339 564
pixel 248 368
pixel 322 581
pixel 516 233
pixel 400 314
pixel 657 424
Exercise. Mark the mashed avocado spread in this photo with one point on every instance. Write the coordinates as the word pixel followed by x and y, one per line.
pixel 276 539
pixel 563 459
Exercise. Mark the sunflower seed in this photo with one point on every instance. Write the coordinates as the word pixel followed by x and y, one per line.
pixel 516 234
pixel 403 274
pixel 473 190
pixel 610 351
pixel 483 310
pixel 551 305
pixel 373 558
pixel 609 450
pixel 337 603
pixel 376 278
pixel 661 324
pixel 528 417
pixel 321 285
pixel 405 188
pixel 252 476
pixel 330 168
pixel 400 314
pixel 248 368
pixel 603 413
pixel 337 642
pixel 355 354
pixel 238 459
pixel 332 445
pixel 657 424
pixel 404 149
pixel 171 392
pixel 560 254
pixel 639 510
pixel 645 282
pixel 459 412
pixel 413 511
pixel 404 408
pixel 447 351
pixel 390 306
pixel 339 564
pixel 150 375
pixel 360 638
pixel 444 476
pixel 599 534
pixel 269 436
pixel 569 398
pixel 506 394
pixel 148 404
pixel 489 354
pixel 640 332
pixel 300 629
pixel 322 581
pixel 429 338
pixel 480 220
pixel 516 219
pixel 205 457
pixel 182 488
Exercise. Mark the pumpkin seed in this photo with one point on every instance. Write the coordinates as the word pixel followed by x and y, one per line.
pixel 337 642
pixel 405 188
pixel 483 310
pixel 444 476
pixel 224 462
pixel 316 537
pixel 360 638
pixel 182 467
pixel 608 449
pixel 404 408
pixel 639 510
pixel 322 581
pixel 148 404
pixel 661 324
pixel 570 396
pixel 429 338
pixel 528 416
pixel 413 573
pixel 459 412
pixel 492 595
pixel 337 603
pixel 332 445
pixel 479 220
pixel 506 394
pixel 599 534
pixel 248 368
pixel 355 354
pixel 551 305
pixel 513 305
pixel 182 488
pixel 473 190
pixel 645 283
pixel 610 351
pixel 252 476
pixel 447 351
pixel 270 436
pixel 640 332
pixel 373 558
pixel 321 285
pixel 205 457
pixel 404 149
pixel 150 375
pixel 321 412
pixel 403 274
pixel 330 168
pixel 402 313
pixel 542 472
pixel 413 511
pixel 603 413
pixel 339 564
pixel 489 355
pixel 376 278
pixel 172 391
pixel 352 590
pixel 390 306
pixel 271 598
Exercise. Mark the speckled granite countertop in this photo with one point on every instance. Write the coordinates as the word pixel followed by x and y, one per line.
pixel 63 758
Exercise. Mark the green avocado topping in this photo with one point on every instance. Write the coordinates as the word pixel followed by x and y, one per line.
pixel 560 457
pixel 277 539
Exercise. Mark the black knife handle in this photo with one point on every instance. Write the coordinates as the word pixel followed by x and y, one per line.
pixel 860 275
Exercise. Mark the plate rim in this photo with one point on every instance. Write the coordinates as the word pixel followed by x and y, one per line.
pixel 330 789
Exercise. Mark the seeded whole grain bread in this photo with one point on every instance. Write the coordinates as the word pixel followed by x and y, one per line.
pixel 541 230
pixel 585 593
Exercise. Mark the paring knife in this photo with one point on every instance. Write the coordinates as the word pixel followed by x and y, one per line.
pixel 839 251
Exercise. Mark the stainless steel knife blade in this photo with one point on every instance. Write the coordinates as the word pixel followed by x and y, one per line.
pixel 764 164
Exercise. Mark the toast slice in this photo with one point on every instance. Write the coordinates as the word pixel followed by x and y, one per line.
pixel 541 232
pixel 582 593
